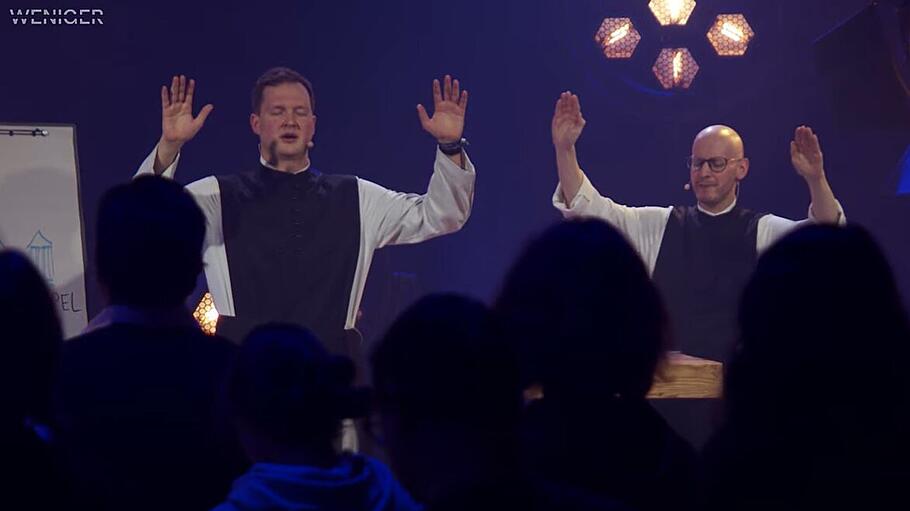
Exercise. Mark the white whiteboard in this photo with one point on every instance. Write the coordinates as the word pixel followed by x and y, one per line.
pixel 40 212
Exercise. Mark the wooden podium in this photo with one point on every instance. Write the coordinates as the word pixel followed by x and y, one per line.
pixel 684 377
pixel 678 377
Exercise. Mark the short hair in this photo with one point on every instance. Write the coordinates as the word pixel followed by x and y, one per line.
pixel 285 386
pixel 149 242
pixel 583 314
pixel 277 76
pixel 439 362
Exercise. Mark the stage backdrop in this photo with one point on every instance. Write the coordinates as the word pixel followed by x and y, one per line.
pixel 372 62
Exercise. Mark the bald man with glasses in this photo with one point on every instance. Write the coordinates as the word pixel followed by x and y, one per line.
pixel 699 256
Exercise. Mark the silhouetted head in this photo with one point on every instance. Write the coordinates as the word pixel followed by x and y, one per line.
pixel 149 243
pixel 438 361
pixel 579 307
pixel 817 388
pixel 448 393
pixel 286 391
pixel 31 340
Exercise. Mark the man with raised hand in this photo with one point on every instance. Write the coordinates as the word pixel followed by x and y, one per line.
pixel 285 242
pixel 699 256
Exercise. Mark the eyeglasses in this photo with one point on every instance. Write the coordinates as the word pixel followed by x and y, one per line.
pixel 716 164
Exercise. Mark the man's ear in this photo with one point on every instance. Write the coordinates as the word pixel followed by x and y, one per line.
pixel 743 170
pixel 254 123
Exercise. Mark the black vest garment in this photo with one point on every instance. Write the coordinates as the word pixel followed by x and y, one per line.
pixel 292 242
pixel 703 265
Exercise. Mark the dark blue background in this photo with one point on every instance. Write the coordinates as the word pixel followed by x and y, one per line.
pixel 373 61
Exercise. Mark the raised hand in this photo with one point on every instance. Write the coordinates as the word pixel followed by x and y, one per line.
pixel 449 105
pixel 567 122
pixel 806 154
pixel 178 125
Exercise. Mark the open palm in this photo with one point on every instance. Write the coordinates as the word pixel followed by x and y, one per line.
pixel 449 106
pixel 806 154
pixel 568 122
pixel 177 122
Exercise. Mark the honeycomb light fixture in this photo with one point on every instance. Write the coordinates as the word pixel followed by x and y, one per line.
pixel 675 68
pixel 730 35
pixel 617 38
pixel 206 314
pixel 672 12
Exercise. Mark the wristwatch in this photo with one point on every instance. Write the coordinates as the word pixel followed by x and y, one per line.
pixel 453 148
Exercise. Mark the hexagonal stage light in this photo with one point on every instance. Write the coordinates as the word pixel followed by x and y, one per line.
pixel 675 68
pixel 730 35
pixel 206 314
pixel 672 12
pixel 617 38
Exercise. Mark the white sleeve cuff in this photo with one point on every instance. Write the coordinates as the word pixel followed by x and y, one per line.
pixel 584 196
pixel 148 166
pixel 451 167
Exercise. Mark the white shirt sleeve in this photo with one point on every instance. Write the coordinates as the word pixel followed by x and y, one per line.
pixel 148 166
pixel 772 228
pixel 394 218
pixel 214 255
pixel 207 194
pixel 643 226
